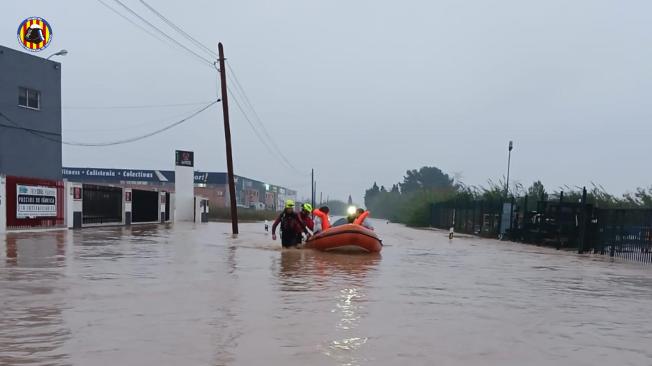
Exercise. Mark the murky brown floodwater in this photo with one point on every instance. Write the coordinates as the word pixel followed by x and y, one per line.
pixel 190 295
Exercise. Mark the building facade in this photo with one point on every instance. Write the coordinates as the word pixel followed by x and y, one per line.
pixel 30 124
pixel 250 193
pixel 31 189
pixel 37 192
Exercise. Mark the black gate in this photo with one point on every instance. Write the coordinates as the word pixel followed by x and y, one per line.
pixel 101 204
pixel 167 206
pixel 145 206
pixel 555 224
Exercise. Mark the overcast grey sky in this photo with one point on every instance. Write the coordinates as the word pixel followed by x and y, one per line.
pixel 363 90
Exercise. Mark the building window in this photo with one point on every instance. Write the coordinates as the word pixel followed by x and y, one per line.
pixel 29 98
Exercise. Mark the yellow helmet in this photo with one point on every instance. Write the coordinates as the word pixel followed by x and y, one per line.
pixel 307 207
pixel 289 204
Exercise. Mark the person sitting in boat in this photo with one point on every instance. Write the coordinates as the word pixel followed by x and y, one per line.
pixel 352 214
pixel 291 226
pixel 361 218
pixel 322 222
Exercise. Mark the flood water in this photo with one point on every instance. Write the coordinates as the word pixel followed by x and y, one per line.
pixel 191 295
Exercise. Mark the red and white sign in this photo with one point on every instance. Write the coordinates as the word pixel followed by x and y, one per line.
pixel 35 201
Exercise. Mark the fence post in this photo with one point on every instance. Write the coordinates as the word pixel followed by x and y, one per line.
pixel 473 219
pixel 481 217
pixel 466 218
pixel 511 218
pixel 581 245
pixel 524 226
pixel 542 205
pixel 561 200
pixel 454 219
pixel 614 235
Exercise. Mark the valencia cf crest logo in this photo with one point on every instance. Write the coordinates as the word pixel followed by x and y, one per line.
pixel 34 34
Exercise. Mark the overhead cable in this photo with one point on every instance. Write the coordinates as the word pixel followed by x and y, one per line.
pixel 198 56
pixel 131 21
pixel 145 106
pixel 274 149
pixel 260 138
pixel 237 86
pixel 257 117
pixel 46 134
pixel 179 30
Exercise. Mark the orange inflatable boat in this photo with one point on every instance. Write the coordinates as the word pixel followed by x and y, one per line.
pixel 349 238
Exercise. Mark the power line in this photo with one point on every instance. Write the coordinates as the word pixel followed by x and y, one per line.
pixel 237 85
pixel 129 124
pixel 262 140
pixel 141 137
pixel 210 63
pixel 15 127
pixel 179 30
pixel 43 134
pixel 145 106
pixel 130 21
pixel 257 117
pixel 237 82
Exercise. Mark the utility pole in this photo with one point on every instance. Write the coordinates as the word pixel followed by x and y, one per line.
pixel 312 191
pixel 227 137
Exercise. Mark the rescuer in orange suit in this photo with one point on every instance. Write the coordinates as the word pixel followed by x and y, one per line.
pixel 322 222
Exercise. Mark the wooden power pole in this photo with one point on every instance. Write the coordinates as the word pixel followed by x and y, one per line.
pixel 227 137
pixel 312 190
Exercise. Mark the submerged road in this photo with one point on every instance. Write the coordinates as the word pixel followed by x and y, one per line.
pixel 191 295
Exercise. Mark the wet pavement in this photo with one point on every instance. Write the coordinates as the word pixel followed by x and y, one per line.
pixel 191 295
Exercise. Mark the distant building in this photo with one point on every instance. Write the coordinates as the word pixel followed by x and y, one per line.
pixel 250 193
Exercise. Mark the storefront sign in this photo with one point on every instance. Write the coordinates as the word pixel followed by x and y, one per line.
pixel 116 175
pixel 35 201
pixel 185 158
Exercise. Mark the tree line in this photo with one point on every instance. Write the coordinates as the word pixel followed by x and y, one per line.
pixel 409 201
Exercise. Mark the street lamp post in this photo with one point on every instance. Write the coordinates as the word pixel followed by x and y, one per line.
pixel 60 53
pixel 509 160
pixel 506 226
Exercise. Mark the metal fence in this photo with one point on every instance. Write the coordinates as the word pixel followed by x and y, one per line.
pixel 562 224
pixel 475 217
pixel 624 233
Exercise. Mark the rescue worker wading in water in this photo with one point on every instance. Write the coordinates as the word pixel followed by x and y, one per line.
pixel 291 226
pixel 306 216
